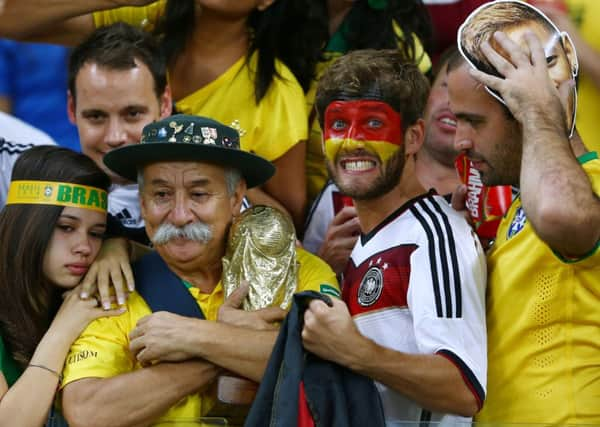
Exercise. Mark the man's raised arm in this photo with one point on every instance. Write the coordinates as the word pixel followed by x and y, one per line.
pixel 55 21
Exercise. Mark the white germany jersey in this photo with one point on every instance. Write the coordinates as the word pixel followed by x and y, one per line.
pixel 416 284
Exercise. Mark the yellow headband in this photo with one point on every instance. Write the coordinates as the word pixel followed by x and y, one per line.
pixel 58 194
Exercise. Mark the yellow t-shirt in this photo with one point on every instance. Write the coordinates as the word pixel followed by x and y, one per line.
pixel 316 170
pixel 268 129
pixel 543 327
pixel 586 14
pixel 102 350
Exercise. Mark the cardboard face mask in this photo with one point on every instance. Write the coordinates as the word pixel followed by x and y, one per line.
pixel 515 18
pixel 362 124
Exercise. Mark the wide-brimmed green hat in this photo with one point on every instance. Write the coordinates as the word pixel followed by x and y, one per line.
pixel 189 138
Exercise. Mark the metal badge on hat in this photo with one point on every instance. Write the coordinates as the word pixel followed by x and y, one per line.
pixel 236 125
pixel 190 129
pixel 176 129
pixel 209 135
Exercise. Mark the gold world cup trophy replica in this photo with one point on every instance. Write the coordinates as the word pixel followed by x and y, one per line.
pixel 261 250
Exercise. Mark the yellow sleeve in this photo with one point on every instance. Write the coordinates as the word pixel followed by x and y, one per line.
pixel 281 116
pixel 591 166
pixel 145 17
pixel 102 349
pixel 314 274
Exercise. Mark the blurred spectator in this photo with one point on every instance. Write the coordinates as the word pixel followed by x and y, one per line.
pixel 33 88
pixel 446 17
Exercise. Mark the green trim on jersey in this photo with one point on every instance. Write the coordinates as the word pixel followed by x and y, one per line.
pixel 592 155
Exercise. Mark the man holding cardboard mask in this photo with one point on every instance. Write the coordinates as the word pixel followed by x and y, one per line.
pixel 543 268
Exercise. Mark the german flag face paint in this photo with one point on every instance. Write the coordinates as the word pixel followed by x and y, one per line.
pixel 372 126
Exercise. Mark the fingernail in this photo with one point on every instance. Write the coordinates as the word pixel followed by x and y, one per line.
pixel 84 295
pixel 106 305
pixel 121 300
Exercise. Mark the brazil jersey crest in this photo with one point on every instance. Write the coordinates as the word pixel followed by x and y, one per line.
pixel 517 223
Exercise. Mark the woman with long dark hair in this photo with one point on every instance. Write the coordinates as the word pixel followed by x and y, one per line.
pixel 51 230
pixel 244 63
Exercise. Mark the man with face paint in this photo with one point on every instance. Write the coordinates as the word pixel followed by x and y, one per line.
pixel 332 226
pixel 412 315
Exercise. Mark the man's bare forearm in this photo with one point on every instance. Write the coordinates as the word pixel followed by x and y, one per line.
pixel 136 398
pixel 556 192
pixel 429 379
pixel 59 21
pixel 240 350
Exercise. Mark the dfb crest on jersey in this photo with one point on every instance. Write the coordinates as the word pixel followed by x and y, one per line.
pixel 517 223
pixel 370 287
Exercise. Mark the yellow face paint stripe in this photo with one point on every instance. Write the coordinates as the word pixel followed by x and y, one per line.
pixel 383 149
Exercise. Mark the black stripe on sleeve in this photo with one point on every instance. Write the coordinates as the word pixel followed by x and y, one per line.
pixel 453 257
pixel 432 260
pixel 443 255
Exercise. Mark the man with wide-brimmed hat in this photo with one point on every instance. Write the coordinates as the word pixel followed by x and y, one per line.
pixel 192 178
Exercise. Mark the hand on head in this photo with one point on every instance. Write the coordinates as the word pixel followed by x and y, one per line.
pixel 526 87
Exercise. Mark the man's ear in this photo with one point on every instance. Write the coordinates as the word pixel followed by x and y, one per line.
pixel 238 196
pixel 71 108
pixel 166 103
pixel 571 53
pixel 414 137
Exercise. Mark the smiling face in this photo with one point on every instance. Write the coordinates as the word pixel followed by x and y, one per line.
pixel 490 139
pixel 363 145
pixel 112 107
pixel 74 244
pixel 440 122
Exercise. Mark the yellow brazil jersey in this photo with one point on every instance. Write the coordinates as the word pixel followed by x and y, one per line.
pixel 102 350
pixel 585 14
pixel 268 129
pixel 543 326
pixel 316 170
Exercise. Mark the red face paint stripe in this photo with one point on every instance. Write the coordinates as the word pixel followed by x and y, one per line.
pixel 363 120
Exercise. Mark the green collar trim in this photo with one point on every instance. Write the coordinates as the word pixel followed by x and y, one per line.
pixel 592 155
pixel 187 284
pixel 581 258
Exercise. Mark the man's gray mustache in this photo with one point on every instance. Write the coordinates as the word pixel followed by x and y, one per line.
pixel 197 231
